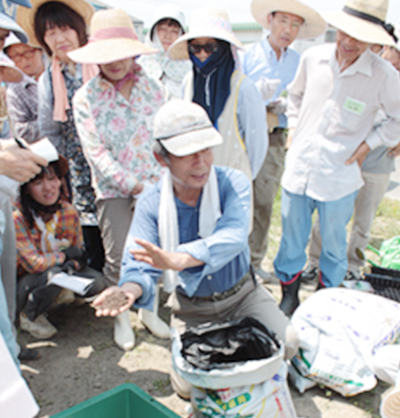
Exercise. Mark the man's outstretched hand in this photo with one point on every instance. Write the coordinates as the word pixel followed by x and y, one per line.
pixel 161 259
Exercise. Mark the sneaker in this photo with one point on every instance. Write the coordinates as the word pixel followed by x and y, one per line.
pixel 390 405
pixel 263 275
pixel 309 275
pixel 40 328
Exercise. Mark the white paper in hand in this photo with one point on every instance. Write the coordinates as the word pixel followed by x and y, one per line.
pixel 79 285
pixel 45 149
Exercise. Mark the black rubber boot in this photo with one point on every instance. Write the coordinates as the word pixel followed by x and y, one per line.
pixel 290 298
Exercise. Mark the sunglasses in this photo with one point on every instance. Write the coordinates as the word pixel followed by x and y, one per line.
pixel 208 48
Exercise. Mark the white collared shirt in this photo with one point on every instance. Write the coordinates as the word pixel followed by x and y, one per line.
pixel 333 113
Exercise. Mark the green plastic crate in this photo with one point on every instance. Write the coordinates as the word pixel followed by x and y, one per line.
pixel 125 401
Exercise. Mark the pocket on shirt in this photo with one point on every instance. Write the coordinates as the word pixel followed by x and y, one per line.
pixel 342 121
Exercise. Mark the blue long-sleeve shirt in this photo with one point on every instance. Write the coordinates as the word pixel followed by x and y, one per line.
pixel 261 61
pixel 225 252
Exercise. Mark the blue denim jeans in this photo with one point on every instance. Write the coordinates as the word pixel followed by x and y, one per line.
pixel 296 213
pixel 5 323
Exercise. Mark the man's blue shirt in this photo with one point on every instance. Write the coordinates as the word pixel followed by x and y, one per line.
pixel 261 61
pixel 225 252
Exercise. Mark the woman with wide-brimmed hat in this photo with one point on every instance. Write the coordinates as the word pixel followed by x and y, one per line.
pixel 60 26
pixel 231 100
pixel 113 115
pixel 166 27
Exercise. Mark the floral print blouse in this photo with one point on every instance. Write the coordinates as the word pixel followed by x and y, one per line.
pixel 116 134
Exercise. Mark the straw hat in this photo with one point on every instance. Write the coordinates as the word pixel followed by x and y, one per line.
pixel 397 34
pixel 313 26
pixel 184 128
pixel 112 38
pixel 26 17
pixel 205 22
pixel 362 20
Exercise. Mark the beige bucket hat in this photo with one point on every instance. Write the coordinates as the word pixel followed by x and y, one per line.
pixel 313 26
pixel 184 128
pixel 204 22
pixel 362 20
pixel 26 17
pixel 112 38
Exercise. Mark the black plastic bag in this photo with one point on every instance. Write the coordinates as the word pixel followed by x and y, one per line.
pixel 218 346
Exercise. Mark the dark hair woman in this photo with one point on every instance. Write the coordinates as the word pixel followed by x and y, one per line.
pixel 49 240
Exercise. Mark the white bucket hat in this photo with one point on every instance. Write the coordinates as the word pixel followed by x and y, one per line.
pixel 168 11
pixel 205 22
pixel 363 20
pixel 184 128
pixel 13 40
pixel 313 26
pixel 112 38
pixel 9 24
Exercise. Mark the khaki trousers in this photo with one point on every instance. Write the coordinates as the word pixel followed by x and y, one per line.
pixel 366 205
pixel 251 300
pixel 265 187
pixel 115 216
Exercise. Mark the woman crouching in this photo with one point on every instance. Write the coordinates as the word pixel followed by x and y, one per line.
pixel 49 240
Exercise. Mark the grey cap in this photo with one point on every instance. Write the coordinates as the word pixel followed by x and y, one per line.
pixel 184 128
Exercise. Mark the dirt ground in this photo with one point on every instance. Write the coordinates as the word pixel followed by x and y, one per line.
pixel 82 361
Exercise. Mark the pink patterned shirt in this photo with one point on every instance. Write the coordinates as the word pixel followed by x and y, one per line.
pixel 116 134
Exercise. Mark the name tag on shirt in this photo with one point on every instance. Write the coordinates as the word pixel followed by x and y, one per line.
pixel 354 106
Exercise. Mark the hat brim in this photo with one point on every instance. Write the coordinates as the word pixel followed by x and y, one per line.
pixel 192 142
pixel 26 17
pixel 359 29
pixel 314 25
pixel 109 50
pixel 179 49
pixel 9 24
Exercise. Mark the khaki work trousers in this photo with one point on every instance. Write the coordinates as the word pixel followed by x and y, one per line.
pixel 265 187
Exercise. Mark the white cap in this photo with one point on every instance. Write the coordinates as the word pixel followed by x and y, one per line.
pixel 184 128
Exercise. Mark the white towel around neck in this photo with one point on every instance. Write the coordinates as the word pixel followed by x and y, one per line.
pixel 168 226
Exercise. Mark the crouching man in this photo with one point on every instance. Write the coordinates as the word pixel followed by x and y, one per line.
pixel 193 225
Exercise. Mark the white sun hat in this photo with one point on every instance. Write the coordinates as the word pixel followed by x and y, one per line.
pixel 205 22
pixel 112 38
pixel 168 11
pixel 363 20
pixel 184 128
pixel 313 26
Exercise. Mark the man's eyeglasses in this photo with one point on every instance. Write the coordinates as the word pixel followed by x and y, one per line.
pixel 208 48
pixel 27 55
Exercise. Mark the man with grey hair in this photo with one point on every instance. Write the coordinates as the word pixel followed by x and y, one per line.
pixel 333 101
pixel 193 226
